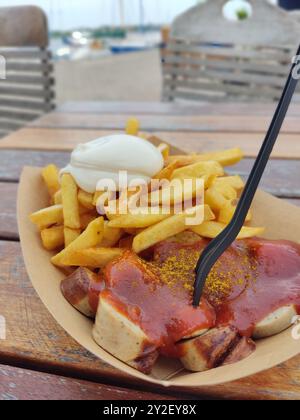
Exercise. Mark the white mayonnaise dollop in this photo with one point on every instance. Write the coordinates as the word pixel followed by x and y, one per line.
pixel 105 157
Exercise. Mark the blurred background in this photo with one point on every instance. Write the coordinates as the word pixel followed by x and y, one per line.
pixel 109 49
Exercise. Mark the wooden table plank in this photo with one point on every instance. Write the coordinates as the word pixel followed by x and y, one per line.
pixel 34 339
pixel 281 177
pixel 21 384
pixel 188 123
pixel 288 145
pixel 8 220
pixel 46 139
pixel 13 161
pixel 173 108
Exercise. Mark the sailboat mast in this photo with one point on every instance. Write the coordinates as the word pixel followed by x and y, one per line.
pixel 121 12
pixel 142 15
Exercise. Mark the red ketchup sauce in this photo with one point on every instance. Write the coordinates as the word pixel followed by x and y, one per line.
pixel 273 283
pixel 251 280
pixel 95 288
pixel 163 311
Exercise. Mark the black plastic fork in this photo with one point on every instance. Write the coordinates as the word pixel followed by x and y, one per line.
pixel 218 246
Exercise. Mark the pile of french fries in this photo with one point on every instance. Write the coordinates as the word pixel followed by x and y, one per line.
pixel 72 227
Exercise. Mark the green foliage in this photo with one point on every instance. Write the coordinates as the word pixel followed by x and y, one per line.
pixel 242 14
pixel 108 33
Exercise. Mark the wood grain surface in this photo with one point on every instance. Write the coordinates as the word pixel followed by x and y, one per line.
pixel 194 123
pixel 21 384
pixel 175 108
pixel 287 147
pixel 34 340
pixel 13 161
pixel 8 220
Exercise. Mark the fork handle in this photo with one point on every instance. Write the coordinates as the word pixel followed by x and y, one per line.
pixel 219 245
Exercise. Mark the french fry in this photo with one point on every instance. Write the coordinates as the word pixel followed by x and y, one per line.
pixel 167 172
pixel 86 199
pixel 165 150
pixel 47 217
pixel 96 197
pixel 210 181
pixel 50 176
pixel 70 235
pixel 69 192
pixel 86 219
pixel 227 212
pixel 139 221
pixel 249 216
pixel 226 190
pixel 198 170
pixel 90 238
pixel 235 182
pixel 111 236
pixel 112 216
pixel 176 192
pixel 101 198
pixel 159 232
pixel 132 127
pixel 90 241
pixel 225 158
pixel 92 257
pixel 212 229
pixel 208 213
pixel 128 196
pixel 121 206
pixel 163 230
pixel 53 238
pixel 57 198
pixel 214 199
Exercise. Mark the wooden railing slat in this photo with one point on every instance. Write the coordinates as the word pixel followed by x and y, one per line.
pixel 228 52
pixel 25 53
pixel 25 92
pixel 19 114
pixel 29 79
pixel 24 104
pixel 10 125
pixel 28 67
pixel 232 71
pixel 217 85
pixel 245 66
pixel 226 76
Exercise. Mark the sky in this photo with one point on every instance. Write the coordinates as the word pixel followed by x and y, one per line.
pixel 69 14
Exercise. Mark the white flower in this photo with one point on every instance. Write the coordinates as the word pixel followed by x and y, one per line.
pixel 236 10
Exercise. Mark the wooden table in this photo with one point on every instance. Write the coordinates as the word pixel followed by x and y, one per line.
pixel 38 359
